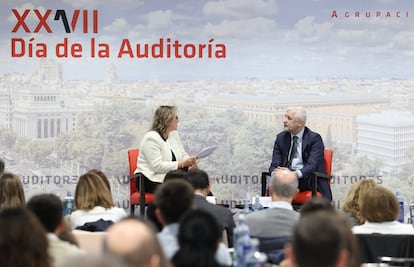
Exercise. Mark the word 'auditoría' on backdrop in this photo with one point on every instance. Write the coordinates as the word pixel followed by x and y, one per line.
pixel 369 14
pixel 164 48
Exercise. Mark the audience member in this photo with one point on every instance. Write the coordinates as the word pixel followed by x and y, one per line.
pixel 352 201
pixel 174 174
pixel 279 218
pixel 23 241
pixel 316 204
pixel 48 208
pixel 11 191
pixel 319 240
pixel 103 177
pixel 95 209
pixel 380 210
pixel 200 181
pixel 136 243
pixel 323 205
pixel 172 199
pixel 199 236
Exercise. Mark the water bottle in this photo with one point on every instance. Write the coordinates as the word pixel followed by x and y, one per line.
pixel 68 204
pixel 401 202
pixel 257 205
pixel 241 241
pixel 243 248
pixel 255 258
pixel 412 213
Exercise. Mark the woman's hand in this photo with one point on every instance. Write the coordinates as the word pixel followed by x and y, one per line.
pixel 189 162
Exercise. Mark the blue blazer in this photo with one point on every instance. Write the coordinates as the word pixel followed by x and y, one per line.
pixel 312 157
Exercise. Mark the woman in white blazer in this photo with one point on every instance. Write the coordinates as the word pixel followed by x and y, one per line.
pixel 161 150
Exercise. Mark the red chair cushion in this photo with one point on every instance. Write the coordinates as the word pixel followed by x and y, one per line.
pixel 134 198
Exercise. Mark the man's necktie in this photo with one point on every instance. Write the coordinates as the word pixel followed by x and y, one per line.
pixel 293 150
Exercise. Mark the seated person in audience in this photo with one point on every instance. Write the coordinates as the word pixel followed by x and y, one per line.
pixel 200 181
pixel 279 218
pixel 324 205
pixel 48 208
pixel 135 241
pixel 352 202
pixel 23 239
pixel 173 198
pixel 103 177
pixel 316 204
pixel 199 236
pixel 94 206
pixel 11 191
pixel 319 240
pixel 380 210
pixel 174 174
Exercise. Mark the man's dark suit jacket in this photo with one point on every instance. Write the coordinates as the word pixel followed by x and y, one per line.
pixel 223 215
pixel 312 157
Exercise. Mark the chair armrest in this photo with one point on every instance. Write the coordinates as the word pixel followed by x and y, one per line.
pixel 135 175
pixel 315 177
pixel 141 191
pixel 322 175
pixel 264 183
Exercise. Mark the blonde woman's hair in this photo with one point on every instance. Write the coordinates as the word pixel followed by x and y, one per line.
pixel 11 191
pixel 91 191
pixel 162 118
pixel 352 202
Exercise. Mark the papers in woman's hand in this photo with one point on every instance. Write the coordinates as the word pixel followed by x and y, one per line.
pixel 205 152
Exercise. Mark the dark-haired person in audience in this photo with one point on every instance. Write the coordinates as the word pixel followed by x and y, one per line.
pixel 174 174
pixel 316 204
pixel 134 240
pixel 199 237
pixel 352 201
pixel 11 191
pixel 279 218
pixel 380 210
pixel 94 204
pixel 200 181
pixel 173 198
pixel 48 208
pixel 319 240
pixel 23 241
pixel 161 150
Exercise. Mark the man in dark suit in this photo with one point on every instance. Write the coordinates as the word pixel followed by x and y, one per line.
pixel 200 181
pixel 300 150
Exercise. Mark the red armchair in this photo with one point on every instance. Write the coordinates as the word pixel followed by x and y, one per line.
pixel 137 197
pixel 303 196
